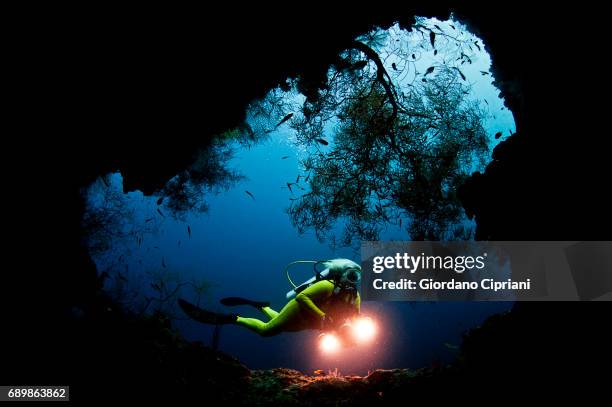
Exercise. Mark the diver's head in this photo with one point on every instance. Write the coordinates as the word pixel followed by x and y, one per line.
pixel 345 271
pixel 351 277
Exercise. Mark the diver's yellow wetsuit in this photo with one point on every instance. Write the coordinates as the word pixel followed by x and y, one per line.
pixel 306 310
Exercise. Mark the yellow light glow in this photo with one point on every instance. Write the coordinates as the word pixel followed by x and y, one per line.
pixel 364 330
pixel 330 343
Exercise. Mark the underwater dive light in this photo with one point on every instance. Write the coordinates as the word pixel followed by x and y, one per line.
pixel 329 343
pixel 360 331
pixel 363 329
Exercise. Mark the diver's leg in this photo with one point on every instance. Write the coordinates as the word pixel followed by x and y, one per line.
pixel 270 313
pixel 253 324
pixel 288 319
pixel 270 328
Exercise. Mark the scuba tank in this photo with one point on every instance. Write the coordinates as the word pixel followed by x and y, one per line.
pixel 344 272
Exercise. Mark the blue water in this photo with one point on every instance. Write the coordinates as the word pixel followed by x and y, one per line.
pixel 241 246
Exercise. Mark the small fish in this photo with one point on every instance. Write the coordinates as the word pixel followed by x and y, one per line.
pixel 298 178
pixel 452 26
pixel 189 231
pixel 284 119
pixel 156 247
pixel 466 57
pixel 413 56
pixel 307 178
pixel 451 346
pixel 318 372
pixel 477 46
pixel 284 157
pixel 423 80
pixel 160 200
pixel 484 73
pixel 400 222
pixel 121 277
pixel 161 213
pixel 394 66
pixel 511 133
pixel 156 287
pixel 435 52
pixel 163 263
pixel 105 181
pixel 250 194
pixel 179 243
pixel 289 186
pixel 460 73
pixel 322 141
pixel 429 70
pixel 485 100
pixel 438 27
pixel 498 135
pixel 432 38
pixel 148 220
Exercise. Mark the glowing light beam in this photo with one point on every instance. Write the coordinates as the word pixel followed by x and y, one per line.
pixel 364 330
pixel 329 343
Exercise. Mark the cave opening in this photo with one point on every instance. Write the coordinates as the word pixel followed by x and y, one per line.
pixel 260 195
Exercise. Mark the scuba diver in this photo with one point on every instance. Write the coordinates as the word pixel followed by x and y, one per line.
pixel 323 302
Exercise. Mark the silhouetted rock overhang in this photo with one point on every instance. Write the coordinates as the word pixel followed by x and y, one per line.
pixel 149 87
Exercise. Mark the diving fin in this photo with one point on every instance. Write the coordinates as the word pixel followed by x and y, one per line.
pixel 204 316
pixel 233 301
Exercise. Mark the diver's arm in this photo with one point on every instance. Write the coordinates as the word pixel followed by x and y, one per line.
pixel 358 304
pixel 317 291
